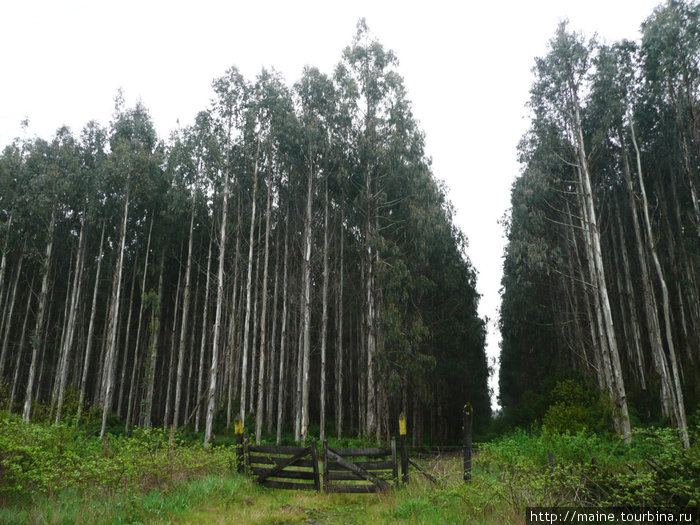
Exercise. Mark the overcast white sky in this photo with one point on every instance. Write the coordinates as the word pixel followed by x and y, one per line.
pixel 466 66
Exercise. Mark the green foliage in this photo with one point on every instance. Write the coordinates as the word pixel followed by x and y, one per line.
pixel 37 459
pixel 576 408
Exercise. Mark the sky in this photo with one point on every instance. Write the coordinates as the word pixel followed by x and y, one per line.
pixel 466 65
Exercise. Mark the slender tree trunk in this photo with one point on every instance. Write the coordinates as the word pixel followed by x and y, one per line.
pixel 127 337
pixel 3 265
pixel 20 349
pixel 253 346
pixel 211 401
pixel 283 338
pixel 183 327
pixel 677 390
pixel 39 327
pixel 273 341
pixel 263 321
pixel 113 318
pixel 133 389
pixel 8 317
pixel 72 318
pixel 306 308
pixel 91 330
pixel 152 352
pixel 203 347
pixel 637 354
pixel 620 397
pixel 246 326
pixel 324 315
pixel 233 351
pixel 339 376
pixel 171 367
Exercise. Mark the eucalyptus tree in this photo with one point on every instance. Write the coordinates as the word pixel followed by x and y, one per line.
pixel 48 164
pixel 134 170
pixel 229 111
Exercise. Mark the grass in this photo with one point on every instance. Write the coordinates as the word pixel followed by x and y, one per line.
pixel 145 481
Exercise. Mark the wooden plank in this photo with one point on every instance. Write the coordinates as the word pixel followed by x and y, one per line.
pixel 369 452
pixel 287 485
pixel 365 474
pixel 271 460
pixel 349 476
pixel 425 473
pixel 353 489
pixel 272 449
pixel 287 474
pixel 286 463
pixel 366 465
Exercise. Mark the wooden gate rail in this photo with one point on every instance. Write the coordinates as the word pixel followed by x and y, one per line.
pixel 285 463
pixel 338 466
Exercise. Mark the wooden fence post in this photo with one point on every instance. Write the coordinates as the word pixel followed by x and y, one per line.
pixel 325 466
pixel 468 411
pixel 394 462
pixel 404 450
pixel 238 429
pixel 314 459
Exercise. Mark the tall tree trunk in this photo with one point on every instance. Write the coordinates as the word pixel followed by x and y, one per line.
pixel 72 317
pixel 183 327
pixel 39 326
pixel 339 376
pixel 152 351
pixel 263 320
pixel 133 389
pixel 621 414
pixel 283 338
pixel 273 341
pixel 324 315
pixel 676 382
pixel 8 316
pixel 248 288
pixel 20 349
pixel 253 346
pixel 127 337
pixel 171 367
pixel 91 330
pixel 3 265
pixel 202 349
pixel 306 308
pixel 114 318
pixel 233 351
pixel 211 408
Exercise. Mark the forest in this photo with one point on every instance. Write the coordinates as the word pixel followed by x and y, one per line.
pixel 601 269
pixel 288 265
pixel 288 258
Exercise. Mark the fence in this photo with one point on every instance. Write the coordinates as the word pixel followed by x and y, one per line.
pixel 354 470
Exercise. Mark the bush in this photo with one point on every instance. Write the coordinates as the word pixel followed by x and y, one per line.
pixel 39 459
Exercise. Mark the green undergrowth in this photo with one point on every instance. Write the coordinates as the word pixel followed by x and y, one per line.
pixel 60 474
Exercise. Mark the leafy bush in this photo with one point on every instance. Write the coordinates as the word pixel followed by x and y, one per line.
pixel 38 459
pixel 576 408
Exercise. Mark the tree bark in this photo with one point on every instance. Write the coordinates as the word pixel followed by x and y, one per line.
pixel 39 326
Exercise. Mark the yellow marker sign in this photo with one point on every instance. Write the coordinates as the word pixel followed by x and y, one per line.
pixel 402 424
pixel 238 426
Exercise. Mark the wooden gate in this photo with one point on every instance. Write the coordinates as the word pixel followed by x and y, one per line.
pixel 359 470
pixel 274 466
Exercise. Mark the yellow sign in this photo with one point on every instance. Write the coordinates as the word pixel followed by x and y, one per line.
pixel 238 426
pixel 402 424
